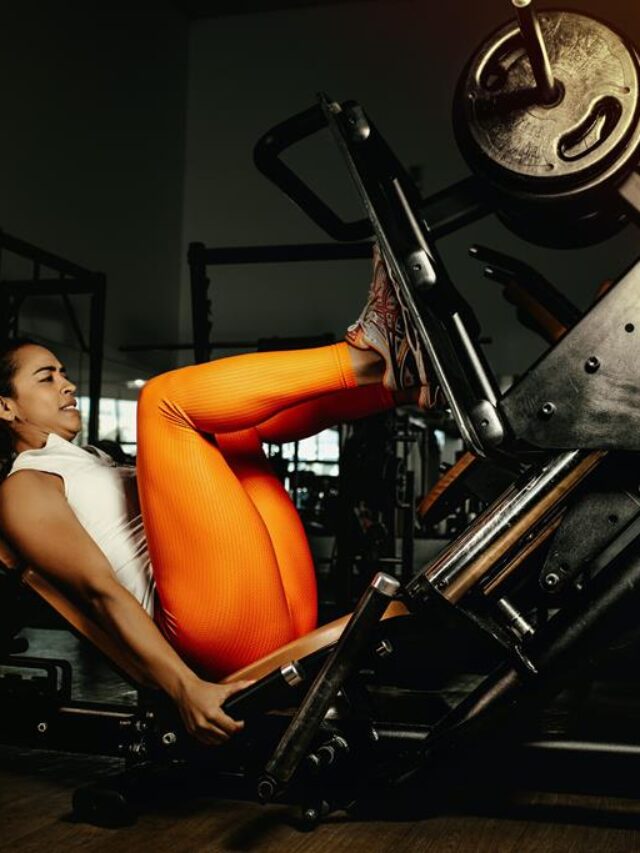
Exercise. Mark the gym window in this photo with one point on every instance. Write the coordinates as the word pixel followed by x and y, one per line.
pixel 117 422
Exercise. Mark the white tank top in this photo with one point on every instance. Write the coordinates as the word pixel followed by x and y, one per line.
pixel 104 498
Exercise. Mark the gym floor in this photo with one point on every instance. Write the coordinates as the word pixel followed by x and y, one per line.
pixel 36 789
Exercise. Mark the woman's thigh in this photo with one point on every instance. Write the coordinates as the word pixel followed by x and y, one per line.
pixel 221 595
pixel 243 452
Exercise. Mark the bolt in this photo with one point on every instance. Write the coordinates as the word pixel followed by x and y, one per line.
pixel 312 761
pixel 169 738
pixel 310 815
pixel 41 728
pixel 326 754
pixel 551 580
pixel 384 649
pixel 266 790
pixel 546 411
pixel 592 364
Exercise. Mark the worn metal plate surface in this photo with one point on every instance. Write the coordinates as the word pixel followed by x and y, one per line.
pixel 597 75
pixel 593 522
pixel 585 392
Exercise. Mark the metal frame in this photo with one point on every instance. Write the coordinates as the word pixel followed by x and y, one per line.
pixel 70 279
pixel 444 326
pixel 346 752
pixel 584 391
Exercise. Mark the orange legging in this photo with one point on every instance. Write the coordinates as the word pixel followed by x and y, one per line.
pixel 234 574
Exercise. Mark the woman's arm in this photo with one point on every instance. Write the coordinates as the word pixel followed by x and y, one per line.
pixel 36 518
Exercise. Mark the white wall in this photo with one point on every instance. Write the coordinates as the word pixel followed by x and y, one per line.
pixel 401 60
pixel 92 157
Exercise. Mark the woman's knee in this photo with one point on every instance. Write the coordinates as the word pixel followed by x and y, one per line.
pixel 158 397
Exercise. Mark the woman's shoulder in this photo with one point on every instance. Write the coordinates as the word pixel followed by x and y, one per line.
pixel 56 457
pixel 27 495
pixel 27 480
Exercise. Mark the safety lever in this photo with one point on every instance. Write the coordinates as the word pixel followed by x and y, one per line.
pixel 541 307
pixel 297 739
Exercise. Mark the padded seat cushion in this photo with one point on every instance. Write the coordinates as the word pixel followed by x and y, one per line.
pixel 322 637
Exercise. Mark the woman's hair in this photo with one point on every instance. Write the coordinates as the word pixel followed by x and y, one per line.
pixel 8 367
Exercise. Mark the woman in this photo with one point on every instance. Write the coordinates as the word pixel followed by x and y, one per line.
pixel 232 573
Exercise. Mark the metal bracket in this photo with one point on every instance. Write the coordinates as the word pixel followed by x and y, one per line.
pixel 584 392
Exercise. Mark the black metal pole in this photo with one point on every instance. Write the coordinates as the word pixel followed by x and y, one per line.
pixel 296 740
pixel 39 256
pixel 96 353
pixel 536 49
pixel 408 528
pixel 199 301
pixel 285 253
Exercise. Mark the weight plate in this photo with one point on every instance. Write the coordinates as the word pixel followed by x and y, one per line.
pixel 560 145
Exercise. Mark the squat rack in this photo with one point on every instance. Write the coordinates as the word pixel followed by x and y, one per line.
pixel 61 278
pixel 200 257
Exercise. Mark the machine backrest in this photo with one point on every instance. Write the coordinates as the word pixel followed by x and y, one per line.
pixel 69 611
pixel 79 620
pixel 88 628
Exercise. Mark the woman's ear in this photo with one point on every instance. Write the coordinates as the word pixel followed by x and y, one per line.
pixel 7 412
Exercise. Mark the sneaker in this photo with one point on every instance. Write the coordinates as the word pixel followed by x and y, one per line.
pixel 382 326
pixel 431 394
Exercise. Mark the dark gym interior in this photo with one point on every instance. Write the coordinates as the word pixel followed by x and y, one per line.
pixel 190 180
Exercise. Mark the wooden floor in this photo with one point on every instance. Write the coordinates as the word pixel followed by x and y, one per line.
pixel 36 788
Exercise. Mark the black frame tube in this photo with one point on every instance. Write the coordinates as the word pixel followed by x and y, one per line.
pixel 200 257
pixel 296 740
pixel 536 50
pixel 72 279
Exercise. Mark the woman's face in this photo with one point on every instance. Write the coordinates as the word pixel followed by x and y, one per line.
pixel 43 401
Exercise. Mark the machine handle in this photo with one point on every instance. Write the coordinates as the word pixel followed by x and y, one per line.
pixel 266 156
pixel 541 306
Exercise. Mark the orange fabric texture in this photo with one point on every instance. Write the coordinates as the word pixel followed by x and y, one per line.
pixel 234 574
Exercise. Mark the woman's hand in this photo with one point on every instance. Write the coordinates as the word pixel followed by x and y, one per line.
pixel 200 705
